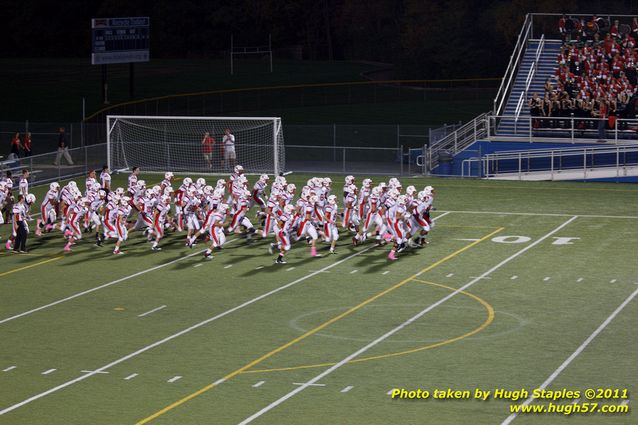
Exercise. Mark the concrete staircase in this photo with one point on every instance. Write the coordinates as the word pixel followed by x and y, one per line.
pixel 546 68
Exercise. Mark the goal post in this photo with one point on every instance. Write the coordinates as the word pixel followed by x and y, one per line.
pixel 166 143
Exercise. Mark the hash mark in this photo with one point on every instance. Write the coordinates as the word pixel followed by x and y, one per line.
pixel 354 271
pixel 228 266
pixel 546 279
pixel 174 378
pixel 450 275
pixel 514 277
pixel 346 389
pixel 9 368
pixel 46 372
pixel 385 272
pixel 131 376
pixel 259 384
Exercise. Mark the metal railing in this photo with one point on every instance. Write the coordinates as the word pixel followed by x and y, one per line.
pixel 530 77
pixel 458 140
pixel 512 67
pixel 564 163
pixel 561 129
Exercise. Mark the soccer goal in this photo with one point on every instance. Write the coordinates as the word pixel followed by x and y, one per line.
pixel 160 143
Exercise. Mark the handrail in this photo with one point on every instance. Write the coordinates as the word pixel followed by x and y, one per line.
pixel 530 76
pixel 560 152
pixel 512 66
pixel 459 139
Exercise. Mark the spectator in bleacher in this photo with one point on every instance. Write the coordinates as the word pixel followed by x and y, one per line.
pixel 614 30
pixel 16 145
pixel 26 145
pixel 208 147
pixel 562 28
pixel 63 149
pixel 634 27
pixel 535 105
pixel 601 113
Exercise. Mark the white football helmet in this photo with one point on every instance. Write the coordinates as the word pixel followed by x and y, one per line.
pixel 208 190
pixel 201 182
pixel 168 175
pixel 72 184
pixel 332 199
pixel 141 183
pixel 376 192
pixel 410 190
pixel 188 181
pixel 289 209
pixel 349 180
pixel 402 200
pixel 429 190
pixel 157 190
pixel 30 198
pixel 291 188
pixel 222 208
pixel 264 178
pixel 367 182
pixel 327 181
pixel 220 183
pixel 52 186
pixel 96 186
pixel 239 169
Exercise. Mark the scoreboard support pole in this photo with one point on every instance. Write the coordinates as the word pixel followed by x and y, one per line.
pixel 131 80
pixel 104 88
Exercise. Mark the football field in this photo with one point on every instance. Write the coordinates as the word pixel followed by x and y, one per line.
pixel 522 286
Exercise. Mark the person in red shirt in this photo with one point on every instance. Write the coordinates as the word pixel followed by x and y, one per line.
pixel 208 143
pixel 26 145
pixel 16 145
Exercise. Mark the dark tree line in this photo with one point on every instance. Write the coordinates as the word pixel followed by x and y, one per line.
pixel 423 38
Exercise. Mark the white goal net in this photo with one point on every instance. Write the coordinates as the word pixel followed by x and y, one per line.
pixel 179 144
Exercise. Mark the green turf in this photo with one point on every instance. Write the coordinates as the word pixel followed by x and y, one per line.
pixel 537 323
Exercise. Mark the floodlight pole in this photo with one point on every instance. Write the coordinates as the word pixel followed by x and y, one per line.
pixel 270 50
pixel 104 85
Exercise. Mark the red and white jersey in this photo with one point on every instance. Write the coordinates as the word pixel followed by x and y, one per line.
pixel 75 212
pixel 148 204
pixel 105 179
pixel 330 213
pixel 389 202
pixel 24 186
pixel 95 203
pixel 180 195
pixel 123 211
pixel 350 198
pixel 66 195
pixel 396 213
pixel 286 197
pixel 8 184
pixel 259 187
pixel 165 183
pixel 110 212
pixel 216 219
pixel 364 193
pixel 163 210
pixel 50 199
pixel 373 202
pixel 88 184
pixel 422 210
pixel 132 183
pixel 191 205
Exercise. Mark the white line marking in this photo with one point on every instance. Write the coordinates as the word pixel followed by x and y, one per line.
pixel 480 277
pixel 151 311
pixel 450 275
pixel 131 376
pixel 198 265
pixel 346 389
pixel 305 383
pixel 612 281
pixel 174 378
pixel 385 272
pixel 92 371
pixel 106 285
pixel 467 240
pixel 259 267
pixel 354 271
pixel 401 326
pixel 546 278
pixel 228 266
pixel 441 215
pixel 290 269
pixel 576 353
pixel 9 368
pixel 258 384
pixel 46 372
pixel 514 277
pixel 176 335
pixel 580 279
pixel 541 214
pixel 318 271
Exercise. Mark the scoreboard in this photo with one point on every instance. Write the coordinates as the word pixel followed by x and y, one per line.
pixel 119 40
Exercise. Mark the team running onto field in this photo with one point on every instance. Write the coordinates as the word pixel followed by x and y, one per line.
pixel 383 213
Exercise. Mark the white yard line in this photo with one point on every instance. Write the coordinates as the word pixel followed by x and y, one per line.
pixel 467 240
pixel 576 353
pixel 152 311
pixel 401 326
pixel 304 383
pixel 131 376
pixel 346 389
pixel 174 379
pixel 97 288
pixel 91 371
pixel 178 334
pixel 634 217
pixel 46 372
pixel 9 368
pixel 258 384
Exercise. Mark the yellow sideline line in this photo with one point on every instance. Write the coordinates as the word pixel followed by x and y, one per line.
pixel 488 321
pixel 30 266
pixel 310 332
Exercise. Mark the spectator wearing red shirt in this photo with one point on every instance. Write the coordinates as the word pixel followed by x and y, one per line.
pixel 26 145
pixel 208 143
pixel 602 122
pixel 15 146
